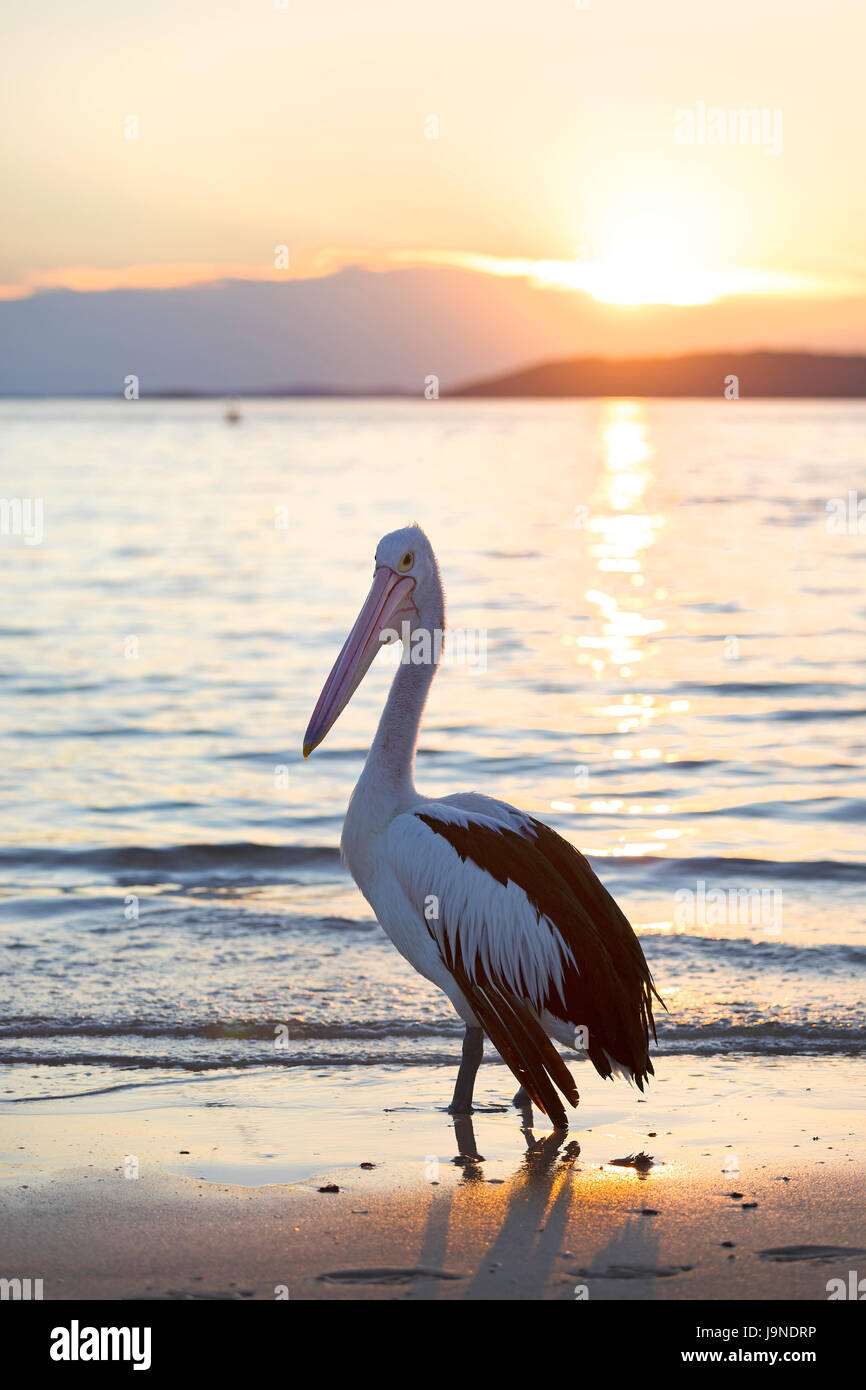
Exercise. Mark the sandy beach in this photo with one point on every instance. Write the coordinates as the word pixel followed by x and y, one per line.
pixel 227 1201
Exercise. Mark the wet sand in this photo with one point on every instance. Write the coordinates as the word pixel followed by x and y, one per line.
pixel 211 1189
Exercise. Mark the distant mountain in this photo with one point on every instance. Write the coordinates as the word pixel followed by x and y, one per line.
pixel 351 332
pixel 698 374
pixel 375 332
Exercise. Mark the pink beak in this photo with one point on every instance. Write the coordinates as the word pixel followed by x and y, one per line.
pixel 386 598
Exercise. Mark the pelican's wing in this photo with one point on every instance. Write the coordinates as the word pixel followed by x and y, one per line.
pixel 526 929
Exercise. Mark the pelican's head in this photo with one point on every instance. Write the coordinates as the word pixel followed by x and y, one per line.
pixel 406 595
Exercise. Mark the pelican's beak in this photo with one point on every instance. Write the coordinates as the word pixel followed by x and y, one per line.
pixel 384 601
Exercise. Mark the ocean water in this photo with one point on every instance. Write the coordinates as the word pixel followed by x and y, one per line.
pixel 659 615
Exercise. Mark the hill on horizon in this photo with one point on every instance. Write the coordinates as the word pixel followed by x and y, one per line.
pixel 759 373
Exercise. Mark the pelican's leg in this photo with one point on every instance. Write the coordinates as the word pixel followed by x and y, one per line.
pixel 473 1051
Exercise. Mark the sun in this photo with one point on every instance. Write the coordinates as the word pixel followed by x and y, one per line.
pixel 647 261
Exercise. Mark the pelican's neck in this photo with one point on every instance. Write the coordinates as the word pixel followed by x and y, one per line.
pixel 388 776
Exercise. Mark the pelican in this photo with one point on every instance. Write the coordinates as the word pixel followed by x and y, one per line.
pixel 485 901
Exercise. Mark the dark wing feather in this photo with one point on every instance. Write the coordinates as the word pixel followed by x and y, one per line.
pixel 518 1038
pixel 606 987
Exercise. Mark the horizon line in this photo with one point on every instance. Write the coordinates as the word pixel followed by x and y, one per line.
pixel 505 385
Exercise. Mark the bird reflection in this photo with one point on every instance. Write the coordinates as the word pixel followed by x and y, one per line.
pixel 467 1157
pixel 537 1162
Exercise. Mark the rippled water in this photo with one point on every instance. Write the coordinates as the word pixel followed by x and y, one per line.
pixel 669 666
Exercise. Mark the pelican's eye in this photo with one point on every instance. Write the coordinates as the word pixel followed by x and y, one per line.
pixel 407 562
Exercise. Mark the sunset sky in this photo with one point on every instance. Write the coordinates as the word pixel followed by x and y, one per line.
pixel 581 147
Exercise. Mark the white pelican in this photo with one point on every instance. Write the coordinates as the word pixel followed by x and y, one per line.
pixel 482 899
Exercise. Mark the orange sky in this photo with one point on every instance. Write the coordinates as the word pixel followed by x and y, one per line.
pixel 670 153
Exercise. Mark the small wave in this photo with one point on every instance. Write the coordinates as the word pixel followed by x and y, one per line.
pixel 739 689
pixel 788 716
pixel 827 959
pixel 235 1030
pixel 120 731
pixel 817 1040
pixel 820 1037
pixel 403 1042
pixel 174 860
pixel 808 809
pixel 684 870
pixel 236 857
